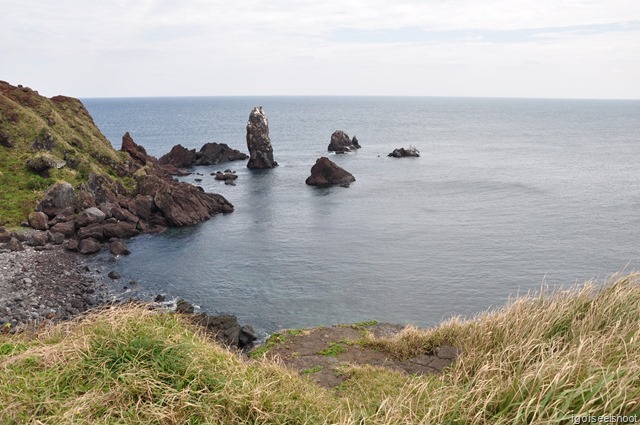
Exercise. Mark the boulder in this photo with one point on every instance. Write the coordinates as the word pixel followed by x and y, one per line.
pixel 184 307
pixel 39 220
pixel 120 230
pixel 215 153
pixel 66 228
pixel 137 152
pixel 36 238
pixel 119 247
pixel 58 197
pixel 226 330
pixel 4 235
pixel 258 142
pixel 226 176
pixel 326 173
pixel 41 163
pixel 15 245
pixel 88 246
pixel 402 152
pixel 94 231
pixel 44 141
pixel 182 204
pixel 179 157
pixel 114 275
pixel 71 245
pixel 142 206
pixel 56 238
pixel 5 140
pixel 341 143
pixel 90 216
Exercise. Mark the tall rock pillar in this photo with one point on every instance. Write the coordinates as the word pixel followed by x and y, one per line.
pixel 258 142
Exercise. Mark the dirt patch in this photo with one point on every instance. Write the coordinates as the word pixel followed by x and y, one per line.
pixel 322 353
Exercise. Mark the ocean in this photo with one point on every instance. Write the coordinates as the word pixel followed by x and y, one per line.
pixel 508 196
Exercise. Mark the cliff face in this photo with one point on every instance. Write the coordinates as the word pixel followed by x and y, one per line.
pixel 45 142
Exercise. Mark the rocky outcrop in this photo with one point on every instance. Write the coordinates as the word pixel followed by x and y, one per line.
pixel 258 141
pixel 327 173
pixel 341 143
pixel 41 163
pixel 215 153
pixel 137 152
pixel 180 158
pixel 182 204
pixel 402 152
pixel 39 220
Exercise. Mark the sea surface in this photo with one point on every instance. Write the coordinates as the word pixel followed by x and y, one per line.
pixel 508 196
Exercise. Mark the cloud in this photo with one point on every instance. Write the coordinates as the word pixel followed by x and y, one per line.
pixel 120 48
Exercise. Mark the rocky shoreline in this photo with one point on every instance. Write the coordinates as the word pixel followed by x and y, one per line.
pixel 51 284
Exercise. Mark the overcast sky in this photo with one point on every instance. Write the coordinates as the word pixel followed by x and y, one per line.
pixel 497 48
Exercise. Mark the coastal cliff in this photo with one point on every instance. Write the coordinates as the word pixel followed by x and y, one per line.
pixel 55 160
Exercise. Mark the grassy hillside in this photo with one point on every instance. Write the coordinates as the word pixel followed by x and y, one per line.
pixel 541 359
pixel 30 124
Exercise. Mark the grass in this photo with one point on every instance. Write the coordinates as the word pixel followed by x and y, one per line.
pixel 25 117
pixel 333 349
pixel 542 359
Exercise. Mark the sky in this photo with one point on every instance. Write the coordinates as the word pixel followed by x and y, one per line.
pixel 489 48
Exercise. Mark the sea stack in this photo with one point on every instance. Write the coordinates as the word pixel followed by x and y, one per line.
pixel 341 143
pixel 326 173
pixel 258 142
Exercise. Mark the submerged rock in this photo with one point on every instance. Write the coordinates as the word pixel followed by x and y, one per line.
pixel 258 142
pixel 326 173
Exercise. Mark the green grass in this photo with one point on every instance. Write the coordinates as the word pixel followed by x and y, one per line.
pixel 333 349
pixel 25 117
pixel 539 360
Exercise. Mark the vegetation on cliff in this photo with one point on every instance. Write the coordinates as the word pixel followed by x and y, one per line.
pixel 59 131
pixel 549 358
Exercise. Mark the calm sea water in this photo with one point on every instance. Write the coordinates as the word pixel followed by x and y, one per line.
pixel 508 195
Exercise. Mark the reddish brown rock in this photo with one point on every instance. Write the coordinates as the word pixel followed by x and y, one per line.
pixel 121 229
pixel 341 143
pixel 137 152
pixel 39 220
pixel 215 153
pixel 119 247
pixel 179 157
pixel 88 246
pixel 67 228
pixel 57 198
pixel 326 173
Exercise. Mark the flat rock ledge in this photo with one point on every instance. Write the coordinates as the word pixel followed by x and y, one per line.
pixel 321 353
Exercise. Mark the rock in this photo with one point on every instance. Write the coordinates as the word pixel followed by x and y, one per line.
pixel 114 275
pixel 124 215
pixel 36 238
pixel 41 163
pixel 142 206
pixel 56 238
pixel 247 337
pixel 5 140
pixel 88 246
pixel 66 228
pixel 184 307
pixel 215 153
pixel 44 141
pixel 67 214
pixel 226 176
pixel 120 230
pixel 137 152
pixel 160 298
pixel 119 247
pixel 258 142
pixel 341 143
pixel 230 182
pixel 39 220
pixel 14 245
pixel 402 152
pixel 179 157
pixel 58 197
pixel 71 245
pixel 4 235
pixel 326 173
pixel 182 204
pixel 90 216
pixel 94 231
